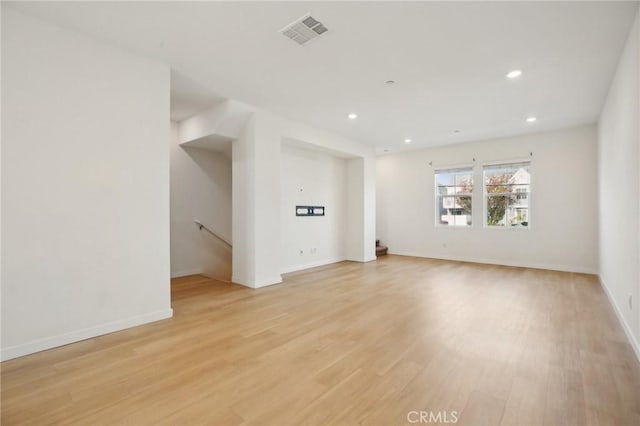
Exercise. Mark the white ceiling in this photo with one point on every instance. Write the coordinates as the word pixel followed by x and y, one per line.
pixel 448 61
pixel 188 97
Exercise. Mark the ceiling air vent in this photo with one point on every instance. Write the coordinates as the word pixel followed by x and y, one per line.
pixel 304 29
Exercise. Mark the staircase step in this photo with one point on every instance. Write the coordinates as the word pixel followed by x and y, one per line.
pixel 381 250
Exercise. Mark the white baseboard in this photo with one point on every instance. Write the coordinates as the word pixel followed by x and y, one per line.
pixel 362 259
pixel 533 265
pixel 627 330
pixel 315 264
pixel 87 333
pixel 256 283
pixel 267 282
pixel 187 272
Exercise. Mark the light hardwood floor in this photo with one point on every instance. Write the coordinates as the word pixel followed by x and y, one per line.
pixel 346 344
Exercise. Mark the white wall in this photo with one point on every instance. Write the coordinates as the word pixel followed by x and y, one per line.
pixel 85 187
pixel 225 119
pixel 312 178
pixel 355 208
pixel 361 185
pixel 200 189
pixel 256 202
pixel 619 189
pixel 563 231
pixel 257 234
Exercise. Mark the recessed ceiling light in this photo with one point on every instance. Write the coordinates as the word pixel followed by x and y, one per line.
pixel 514 74
pixel 457 131
pixel 390 82
pixel 531 119
pixel 352 116
pixel 407 140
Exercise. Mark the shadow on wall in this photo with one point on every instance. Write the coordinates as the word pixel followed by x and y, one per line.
pixel 209 163
pixel 200 190
pixel 216 257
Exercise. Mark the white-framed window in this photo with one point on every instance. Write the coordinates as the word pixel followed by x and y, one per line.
pixel 507 192
pixel 454 196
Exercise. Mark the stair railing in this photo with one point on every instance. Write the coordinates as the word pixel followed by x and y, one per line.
pixel 202 226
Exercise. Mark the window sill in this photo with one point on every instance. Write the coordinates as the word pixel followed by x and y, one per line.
pixel 452 227
pixel 508 228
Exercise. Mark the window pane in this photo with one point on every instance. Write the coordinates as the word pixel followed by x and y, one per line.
pixel 454 211
pixel 448 202
pixel 464 203
pixel 506 178
pixel 520 216
pixel 463 210
pixel 521 198
pixel 497 209
pixel 451 208
pixel 445 178
pixel 464 183
pixel 464 178
pixel 497 182
pixel 507 189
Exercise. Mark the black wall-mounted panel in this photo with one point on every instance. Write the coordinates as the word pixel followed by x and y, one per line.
pixel 309 210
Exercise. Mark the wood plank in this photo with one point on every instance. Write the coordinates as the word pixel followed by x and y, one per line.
pixel 349 343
